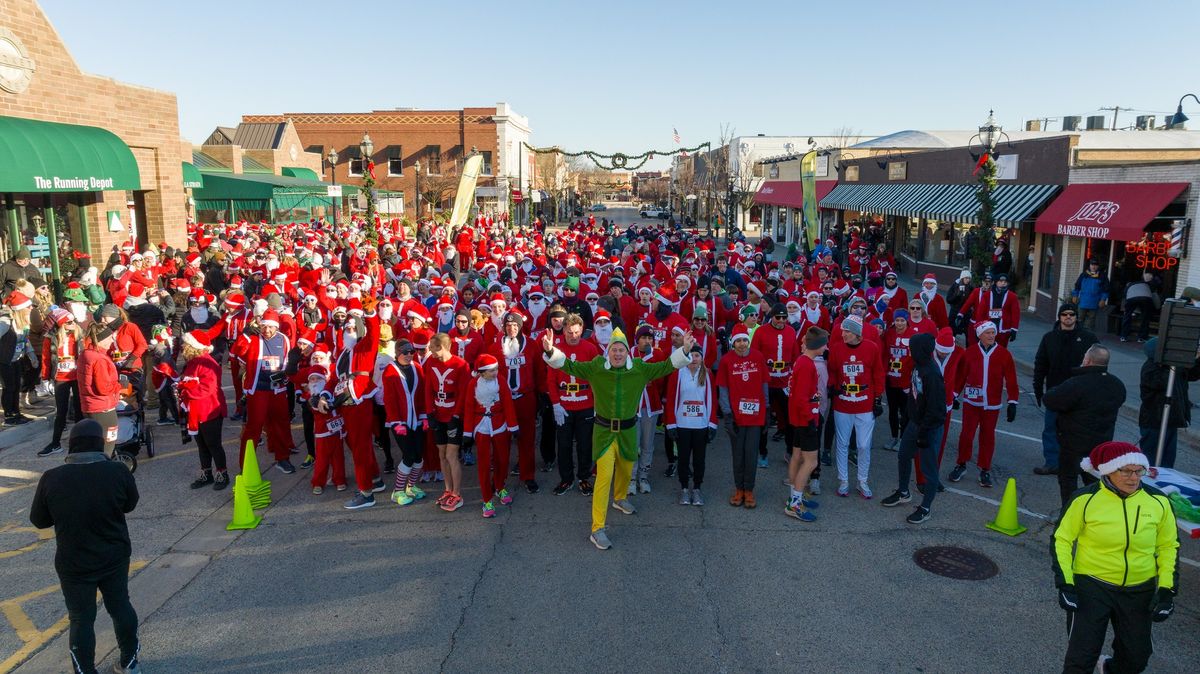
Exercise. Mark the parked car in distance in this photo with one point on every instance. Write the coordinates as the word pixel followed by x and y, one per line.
pixel 655 212
pixel 599 207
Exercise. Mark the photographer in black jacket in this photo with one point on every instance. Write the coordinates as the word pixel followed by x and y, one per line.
pixel 1060 351
pixel 922 437
pixel 86 501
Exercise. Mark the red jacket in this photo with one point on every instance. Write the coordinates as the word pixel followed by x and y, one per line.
pixel 502 413
pixel 984 374
pixel 468 347
pixel 776 346
pixel 572 393
pixel 59 363
pixel 708 346
pixel 404 400
pixel 818 317
pixel 856 375
pixel 445 384
pixel 524 370
pixel 746 379
pixel 200 394
pixel 982 306
pixel 896 359
pixel 675 406
pixel 129 340
pixel 652 396
pixel 99 386
pixel 802 410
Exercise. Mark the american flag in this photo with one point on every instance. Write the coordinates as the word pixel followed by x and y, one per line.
pixel 676 136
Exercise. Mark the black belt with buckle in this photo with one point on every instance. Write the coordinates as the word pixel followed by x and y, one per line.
pixel 615 425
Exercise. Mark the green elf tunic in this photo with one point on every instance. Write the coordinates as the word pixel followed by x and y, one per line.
pixel 616 393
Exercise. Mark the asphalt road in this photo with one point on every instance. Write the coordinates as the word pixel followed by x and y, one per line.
pixel 713 588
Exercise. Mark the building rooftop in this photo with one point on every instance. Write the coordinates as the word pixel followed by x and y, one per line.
pixel 1088 140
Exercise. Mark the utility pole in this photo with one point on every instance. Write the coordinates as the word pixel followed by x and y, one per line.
pixel 1116 110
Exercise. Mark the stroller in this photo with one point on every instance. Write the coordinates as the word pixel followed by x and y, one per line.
pixel 132 431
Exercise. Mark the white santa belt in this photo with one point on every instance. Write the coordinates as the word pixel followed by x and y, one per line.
pixel 852 398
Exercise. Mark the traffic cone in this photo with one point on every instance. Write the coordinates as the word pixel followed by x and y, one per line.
pixel 257 489
pixel 1006 518
pixel 243 513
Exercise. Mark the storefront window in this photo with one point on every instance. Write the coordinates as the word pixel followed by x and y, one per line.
pixel 938 239
pixel 912 239
pixel 1048 273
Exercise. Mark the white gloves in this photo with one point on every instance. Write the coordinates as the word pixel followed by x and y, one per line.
pixel 560 414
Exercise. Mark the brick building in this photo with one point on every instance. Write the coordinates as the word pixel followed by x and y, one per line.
pixel 439 140
pixel 77 150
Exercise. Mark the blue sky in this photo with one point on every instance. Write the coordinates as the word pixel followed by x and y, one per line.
pixel 619 75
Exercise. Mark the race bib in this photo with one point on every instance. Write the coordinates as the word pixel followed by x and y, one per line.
pixel 335 425
pixel 519 361
pixel 270 363
pixel 693 409
pixel 110 434
pixel 995 314
pixel 748 407
pixel 340 388
pixel 66 365
pixel 973 392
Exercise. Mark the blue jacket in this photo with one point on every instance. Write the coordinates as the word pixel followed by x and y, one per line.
pixel 1091 290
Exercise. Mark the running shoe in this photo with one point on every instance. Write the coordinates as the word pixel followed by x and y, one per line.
pixel 798 512
pixel 317 491
pixel 415 492
pixel 377 486
pixel 220 480
pixel 402 497
pixel 516 470
pixel 811 505
pixel 893 445
pixel 685 496
pixel 50 449
pixel 697 497
pixel 166 422
pixel 671 469
pixel 360 501
pixel 957 473
pixel 763 462
pixel 547 467
pixel 444 497
pixel 468 458
pixel 489 510
pixel 644 486
pixel 918 516
pixel 985 479
pixel 864 491
pixel 843 489
pixel 826 457
pixel 814 487
pixel 389 467
pixel 585 487
pixel 204 480
pixel 340 487
pixel 896 498
pixel 308 462
pixel 624 506
pixel 285 467
pixel 599 538
pixel 505 497
pixel 453 503
pixel 532 487
pixel 563 487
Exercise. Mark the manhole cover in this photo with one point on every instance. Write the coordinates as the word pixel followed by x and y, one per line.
pixel 956 563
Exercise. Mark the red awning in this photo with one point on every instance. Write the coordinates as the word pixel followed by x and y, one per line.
pixel 1115 211
pixel 790 192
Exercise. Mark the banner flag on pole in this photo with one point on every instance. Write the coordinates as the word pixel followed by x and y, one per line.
pixel 466 191
pixel 808 179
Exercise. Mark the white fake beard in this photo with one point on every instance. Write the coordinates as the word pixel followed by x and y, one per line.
pixel 537 308
pixel 349 338
pixel 793 317
pixel 510 346
pixel 79 311
pixel 385 313
pixel 445 317
pixel 199 314
pixel 928 295
pixel 594 306
pixel 272 265
pixel 604 333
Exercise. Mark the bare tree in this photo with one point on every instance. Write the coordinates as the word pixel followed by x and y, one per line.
pixel 436 189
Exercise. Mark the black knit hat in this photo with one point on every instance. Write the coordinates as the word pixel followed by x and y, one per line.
pixel 87 435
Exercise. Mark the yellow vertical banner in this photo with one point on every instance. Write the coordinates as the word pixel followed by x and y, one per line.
pixel 808 179
pixel 466 191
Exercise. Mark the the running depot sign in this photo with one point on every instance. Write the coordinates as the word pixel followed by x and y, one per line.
pixel 88 184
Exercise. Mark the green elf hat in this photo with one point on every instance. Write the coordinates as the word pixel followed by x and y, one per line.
pixel 572 282
pixel 618 337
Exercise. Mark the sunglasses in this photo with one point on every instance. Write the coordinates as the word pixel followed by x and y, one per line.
pixel 700 320
pixel 407 351
pixel 1070 314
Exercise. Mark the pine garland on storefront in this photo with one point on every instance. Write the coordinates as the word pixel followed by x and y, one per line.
pixel 369 230
pixel 983 234
pixel 617 161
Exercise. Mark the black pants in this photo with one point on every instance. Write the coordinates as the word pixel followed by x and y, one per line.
pixel 66 402
pixel 575 434
pixel 208 442
pixel 777 404
pixel 897 401
pixel 1070 453
pixel 412 447
pixel 829 433
pixel 927 455
pixel 1142 304
pixel 693 446
pixel 669 447
pixel 79 593
pixel 548 444
pixel 10 396
pixel 383 434
pixel 1127 608
pixel 167 405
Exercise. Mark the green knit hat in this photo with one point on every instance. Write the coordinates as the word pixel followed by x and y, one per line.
pixel 618 337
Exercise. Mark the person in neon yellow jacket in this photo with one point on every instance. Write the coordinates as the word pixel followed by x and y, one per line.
pixel 1115 560
pixel 617 383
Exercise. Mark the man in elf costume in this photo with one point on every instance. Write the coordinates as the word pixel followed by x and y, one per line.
pixel 617 383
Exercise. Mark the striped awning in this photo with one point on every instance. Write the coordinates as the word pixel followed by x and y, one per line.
pixel 1014 203
pixel 906 199
pixel 849 197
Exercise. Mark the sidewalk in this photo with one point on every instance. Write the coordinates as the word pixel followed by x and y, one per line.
pixel 1125 362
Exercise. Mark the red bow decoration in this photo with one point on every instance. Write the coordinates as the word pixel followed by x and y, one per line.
pixel 983 159
pixel 371 169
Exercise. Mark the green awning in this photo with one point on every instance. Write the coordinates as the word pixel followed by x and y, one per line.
pixel 300 172
pixel 50 157
pixel 191 177
pixel 225 186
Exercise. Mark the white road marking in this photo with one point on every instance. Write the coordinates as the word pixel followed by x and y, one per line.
pixel 1015 435
pixel 19 474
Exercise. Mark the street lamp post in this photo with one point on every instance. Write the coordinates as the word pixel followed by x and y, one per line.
pixel 367 148
pixel 1179 118
pixel 332 158
pixel 417 203
pixel 983 234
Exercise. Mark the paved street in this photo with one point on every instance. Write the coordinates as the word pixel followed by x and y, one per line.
pixel 319 588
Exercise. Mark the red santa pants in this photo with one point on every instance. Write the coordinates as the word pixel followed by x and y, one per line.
pixel 985 421
pixel 527 416
pixel 491 458
pixel 268 410
pixel 329 455
pixel 235 371
pixel 431 457
pixel 360 432
pixel 941 450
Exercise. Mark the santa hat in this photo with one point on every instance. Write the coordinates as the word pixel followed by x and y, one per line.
pixel 355 307
pixel 198 339
pixel 812 293
pixel 1109 457
pixel 196 295
pixel 945 341
pixel 320 354
pixel 602 314
pixel 418 311
pixel 758 288
pixel 739 332
pixel 308 336
pixel 17 300
pixel 984 327
pixel 270 317
pixel 234 300
pixel 138 290
pixel 316 371
pixel 497 298
pixel 486 361
pixel 929 278
pixel 667 295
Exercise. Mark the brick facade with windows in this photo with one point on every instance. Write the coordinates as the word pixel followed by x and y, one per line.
pixel 439 139
pixel 147 121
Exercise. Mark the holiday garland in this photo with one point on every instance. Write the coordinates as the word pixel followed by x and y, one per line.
pixel 617 160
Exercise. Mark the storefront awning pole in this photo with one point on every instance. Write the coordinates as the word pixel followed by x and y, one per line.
pixel 85 238
pixel 232 212
pixel 14 232
pixel 52 236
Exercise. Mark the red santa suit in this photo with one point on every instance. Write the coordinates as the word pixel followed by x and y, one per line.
pixel 329 427
pixel 355 368
pixel 981 381
pixel 522 369
pixel 777 346
pixel 266 393
pixel 811 316
pixel 200 395
pixel 746 379
pixel 490 419
pixel 468 346
pixel 445 382
pixel 856 375
pixel 935 304
pixel 983 305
